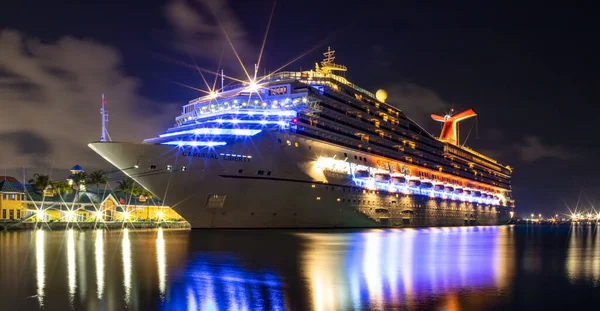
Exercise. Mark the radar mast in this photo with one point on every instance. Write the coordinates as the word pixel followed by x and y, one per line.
pixel 327 64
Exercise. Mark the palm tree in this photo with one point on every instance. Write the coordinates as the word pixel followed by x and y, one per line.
pixel 79 179
pixel 61 187
pixel 97 177
pixel 40 181
pixel 129 186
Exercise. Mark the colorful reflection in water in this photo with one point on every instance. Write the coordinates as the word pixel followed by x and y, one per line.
pixel 274 270
pixel 382 268
pixel 217 282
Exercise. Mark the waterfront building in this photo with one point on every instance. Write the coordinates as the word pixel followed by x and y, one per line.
pixel 11 199
pixel 96 204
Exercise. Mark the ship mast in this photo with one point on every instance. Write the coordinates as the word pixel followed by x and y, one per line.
pixel 327 64
pixel 104 115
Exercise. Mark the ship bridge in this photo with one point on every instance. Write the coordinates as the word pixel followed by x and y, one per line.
pixel 238 112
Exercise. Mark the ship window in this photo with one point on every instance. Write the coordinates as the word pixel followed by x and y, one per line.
pixel 183 168
pixel 268 173
pixel 240 171
pixel 296 144
pixel 279 140
pixel 345 155
pixel 169 167
pixel 152 167
pixel 354 157
pixel 318 198
pixel 360 158
pixel 261 172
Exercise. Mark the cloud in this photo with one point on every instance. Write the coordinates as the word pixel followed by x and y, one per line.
pixel 199 33
pixel 50 99
pixel 532 149
pixel 416 101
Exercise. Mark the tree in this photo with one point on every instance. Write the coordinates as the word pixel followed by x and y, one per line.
pixel 61 187
pixel 97 177
pixel 79 179
pixel 40 181
pixel 129 186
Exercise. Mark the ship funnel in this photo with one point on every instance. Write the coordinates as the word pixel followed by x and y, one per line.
pixel 449 131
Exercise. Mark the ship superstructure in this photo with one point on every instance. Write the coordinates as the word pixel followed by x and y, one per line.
pixel 311 149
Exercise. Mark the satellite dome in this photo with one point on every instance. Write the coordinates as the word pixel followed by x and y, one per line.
pixel 381 95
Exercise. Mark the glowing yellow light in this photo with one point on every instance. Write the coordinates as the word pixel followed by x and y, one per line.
pixel 160 215
pixel 70 215
pixel 253 86
pixel 318 198
pixel 125 215
pixel 338 199
pixel 213 94
pixel 40 215
pixel 98 214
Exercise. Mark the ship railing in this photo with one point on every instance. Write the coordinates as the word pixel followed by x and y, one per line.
pixel 306 75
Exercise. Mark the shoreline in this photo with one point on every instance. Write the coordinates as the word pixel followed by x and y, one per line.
pixel 13 226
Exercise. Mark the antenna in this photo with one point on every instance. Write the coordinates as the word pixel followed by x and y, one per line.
pixel 104 121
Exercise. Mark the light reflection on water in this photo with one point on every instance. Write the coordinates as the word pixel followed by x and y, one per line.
pixel 583 255
pixel 71 267
pixel 376 269
pixel 99 252
pixel 161 261
pixel 439 268
pixel 126 257
pixel 40 261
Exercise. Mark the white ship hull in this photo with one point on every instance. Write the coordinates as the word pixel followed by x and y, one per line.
pixel 220 187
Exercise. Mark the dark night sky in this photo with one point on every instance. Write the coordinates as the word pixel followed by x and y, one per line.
pixel 530 71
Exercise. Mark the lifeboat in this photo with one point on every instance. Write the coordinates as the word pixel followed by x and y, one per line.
pixel 477 194
pixel 426 185
pixel 467 192
pixel 448 189
pixel 361 174
pixel 438 188
pixel 458 191
pixel 398 180
pixel 414 183
pixel 382 177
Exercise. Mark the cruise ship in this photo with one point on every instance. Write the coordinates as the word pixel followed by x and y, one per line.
pixel 310 149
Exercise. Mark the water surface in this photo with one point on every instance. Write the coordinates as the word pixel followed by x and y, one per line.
pixel 470 268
